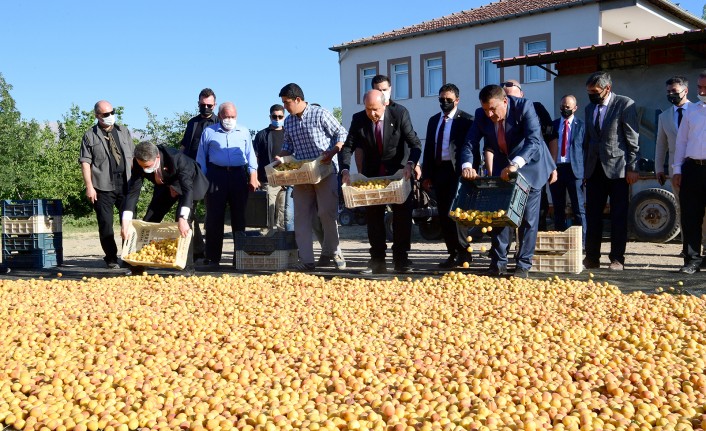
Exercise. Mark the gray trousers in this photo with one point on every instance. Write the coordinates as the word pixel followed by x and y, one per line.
pixel 310 199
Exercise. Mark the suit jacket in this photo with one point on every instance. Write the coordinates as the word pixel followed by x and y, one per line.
pixel 459 129
pixel 94 151
pixel 578 131
pixel 178 171
pixel 666 139
pixel 523 137
pixel 397 131
pixel 617 147
pixel 191 148
pixel 263 145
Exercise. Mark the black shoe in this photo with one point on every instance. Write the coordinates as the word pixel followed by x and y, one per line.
pixel 403 267
pixel 375 267
pixel 189 271
pixel 689 269
pixel 463 257
pixel 112 264
pixel 449 263
pixel 521 273
pixel 591 264
pixel 497 271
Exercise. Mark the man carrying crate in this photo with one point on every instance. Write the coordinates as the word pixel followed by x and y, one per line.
pixel 510 129
pixel 176 178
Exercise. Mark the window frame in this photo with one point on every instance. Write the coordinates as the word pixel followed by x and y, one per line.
pixel 390 73
pixel 545 37
pixel 360 81
pixel 423 58
pixel 500 45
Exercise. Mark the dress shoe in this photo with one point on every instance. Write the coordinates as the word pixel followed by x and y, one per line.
pixel 496 271
pixel 521 273
pixel 615 266
pixel 375 267
pixel 403 267
pixel 449 263
pixel 464 257
pixel 112 264
pixel 689 269
pixel 591 264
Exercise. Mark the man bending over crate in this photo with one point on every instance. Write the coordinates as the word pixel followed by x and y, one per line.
pixel 510 129
pixel 176 178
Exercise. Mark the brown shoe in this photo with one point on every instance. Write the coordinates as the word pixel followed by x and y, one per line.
pixel 591 264
pixel 616 266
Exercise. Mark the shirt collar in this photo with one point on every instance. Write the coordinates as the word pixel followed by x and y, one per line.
pixel 607 99
pixel 570 119
pixel 684 106
pixel 451 114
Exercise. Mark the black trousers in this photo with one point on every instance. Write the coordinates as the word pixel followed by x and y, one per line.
pixel 692 198
pixel 103 206
pixel 445 183
pixel 227 187
pixel 401 230
pixel 598 189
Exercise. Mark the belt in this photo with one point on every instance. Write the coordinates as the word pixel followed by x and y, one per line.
pixel 700 162
pixel 563 164
pixel 226 168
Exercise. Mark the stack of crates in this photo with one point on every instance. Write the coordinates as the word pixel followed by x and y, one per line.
pixel 273 252
pixel 559 251
pixel 31 233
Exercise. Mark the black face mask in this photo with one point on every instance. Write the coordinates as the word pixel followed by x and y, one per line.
pixel 566 113
pixel 674 98
pixel 204 111
pixel 596 98
pixel 446 107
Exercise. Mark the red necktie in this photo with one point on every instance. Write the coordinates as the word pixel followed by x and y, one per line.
pixel 440 138
pixel 565 138
pixel 501 137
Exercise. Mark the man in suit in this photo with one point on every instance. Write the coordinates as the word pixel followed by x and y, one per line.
pixel 566 148
pixel 378 137
pixel 176 178
pixel 446 132
pixel 610 166
pixel 510 130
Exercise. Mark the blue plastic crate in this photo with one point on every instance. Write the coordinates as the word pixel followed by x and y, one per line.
pixel 265 244
pixel 493 194
pixel 42 241
pixel 29 208
pixel 33 258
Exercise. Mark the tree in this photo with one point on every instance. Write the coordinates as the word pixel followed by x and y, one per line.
pixel 338 113
pixel 169 131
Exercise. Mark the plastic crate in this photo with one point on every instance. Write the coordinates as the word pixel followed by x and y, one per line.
pixel 141 233
pixel 257 209
pixel 43 241
pixel 395 193
pixel 559 242
pixel 29 259
pixel 493 194
pixel 29 208
pixel 310 172
pixel 569 262
pixel 277 260
pixel 30 225
pixel 265 244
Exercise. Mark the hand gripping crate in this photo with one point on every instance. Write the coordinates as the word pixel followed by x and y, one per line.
pixel 141 233
pixel 31 225
pixel 34 207
pixel 275 261
pixel 569 262
pixel 394 193
pixel 559 242
pixel 310 172
pixel 493 194
pixel 265 244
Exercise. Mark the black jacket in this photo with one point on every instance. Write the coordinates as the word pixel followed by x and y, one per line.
pixel 186 142
pixel 462 122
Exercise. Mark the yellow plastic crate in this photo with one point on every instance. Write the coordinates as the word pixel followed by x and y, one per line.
pixel 559 242
pixel 395 193
pixel 569 262
pixel 30 225
pixel 277 260
pixel 141 233
pixel 310 172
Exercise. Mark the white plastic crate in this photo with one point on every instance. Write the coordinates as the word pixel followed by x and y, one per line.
pixel 569 262
pixel 559 242
pixel 277 260
pixel 395 193
pixel 310 172
pixel 30 225
pixel 141 233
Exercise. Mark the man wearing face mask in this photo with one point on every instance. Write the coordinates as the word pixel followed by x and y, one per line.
pixel 610 167
pixel 566 148
pixel 446 132
pixel 227 157
pixel 176 178
pixel 106 158
pixel 268 143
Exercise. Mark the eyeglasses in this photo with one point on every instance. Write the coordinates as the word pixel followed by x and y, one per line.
pixel 106 114
pixel 445 100
pixel 511 84
pixel 276 117
pixel 205 105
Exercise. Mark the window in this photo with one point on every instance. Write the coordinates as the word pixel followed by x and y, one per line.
pixel 366 72
pixel 534 45
pixel 398 70
pixel 433 70
pixel 486 71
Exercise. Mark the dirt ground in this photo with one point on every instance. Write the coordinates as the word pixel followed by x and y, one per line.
pixel 649 266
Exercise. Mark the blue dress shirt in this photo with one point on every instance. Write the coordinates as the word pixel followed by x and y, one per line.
pixel 226 148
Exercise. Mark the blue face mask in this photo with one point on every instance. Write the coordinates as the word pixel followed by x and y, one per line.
pixel 277 123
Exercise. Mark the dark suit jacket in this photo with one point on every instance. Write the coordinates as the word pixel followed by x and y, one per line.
pixel 397 131
pixel 459 129
pixel 523 137
pixel 178 171
pixel 617 146
pixel 190 131
pixel 578 130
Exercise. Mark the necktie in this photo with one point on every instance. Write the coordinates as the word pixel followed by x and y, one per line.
pixel 680 114
pixel 565 138
pixel 378 136
pixel 597 124
pixel 115 151
pixel 440 138
pixel 501 137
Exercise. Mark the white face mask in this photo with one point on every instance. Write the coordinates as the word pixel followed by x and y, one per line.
pixel 109 120
pixel 153 168
pixel 702 98
pixel 228 123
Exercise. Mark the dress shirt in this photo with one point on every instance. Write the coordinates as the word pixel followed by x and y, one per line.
pixel 675 113
pixel 603 109
pixel 382 127
pixel 519 161
pixel 691 137
pixel 566 159
pixel 226 148
pixel 317 130
pixel 447 133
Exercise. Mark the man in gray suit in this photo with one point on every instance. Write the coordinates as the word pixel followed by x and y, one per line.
pixel 610 166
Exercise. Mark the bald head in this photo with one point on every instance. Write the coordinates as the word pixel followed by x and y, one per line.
pixel 514 90
pixel 374 104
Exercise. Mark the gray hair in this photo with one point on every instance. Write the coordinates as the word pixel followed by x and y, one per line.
pixel 146 151
pixel 600 79
pixel 225 105
pixel 380 98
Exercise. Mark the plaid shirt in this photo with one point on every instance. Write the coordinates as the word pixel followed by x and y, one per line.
pixel 316 131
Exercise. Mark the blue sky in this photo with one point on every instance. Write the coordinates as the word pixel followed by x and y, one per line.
pixel 159 54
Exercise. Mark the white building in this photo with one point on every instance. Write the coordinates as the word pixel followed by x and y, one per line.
pixel 460 48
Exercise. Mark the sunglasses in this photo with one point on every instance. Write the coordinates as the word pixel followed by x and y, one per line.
pixel 205 105
pixel 445 100
pixel 276 117
pixel 106 114
pixel 510 84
